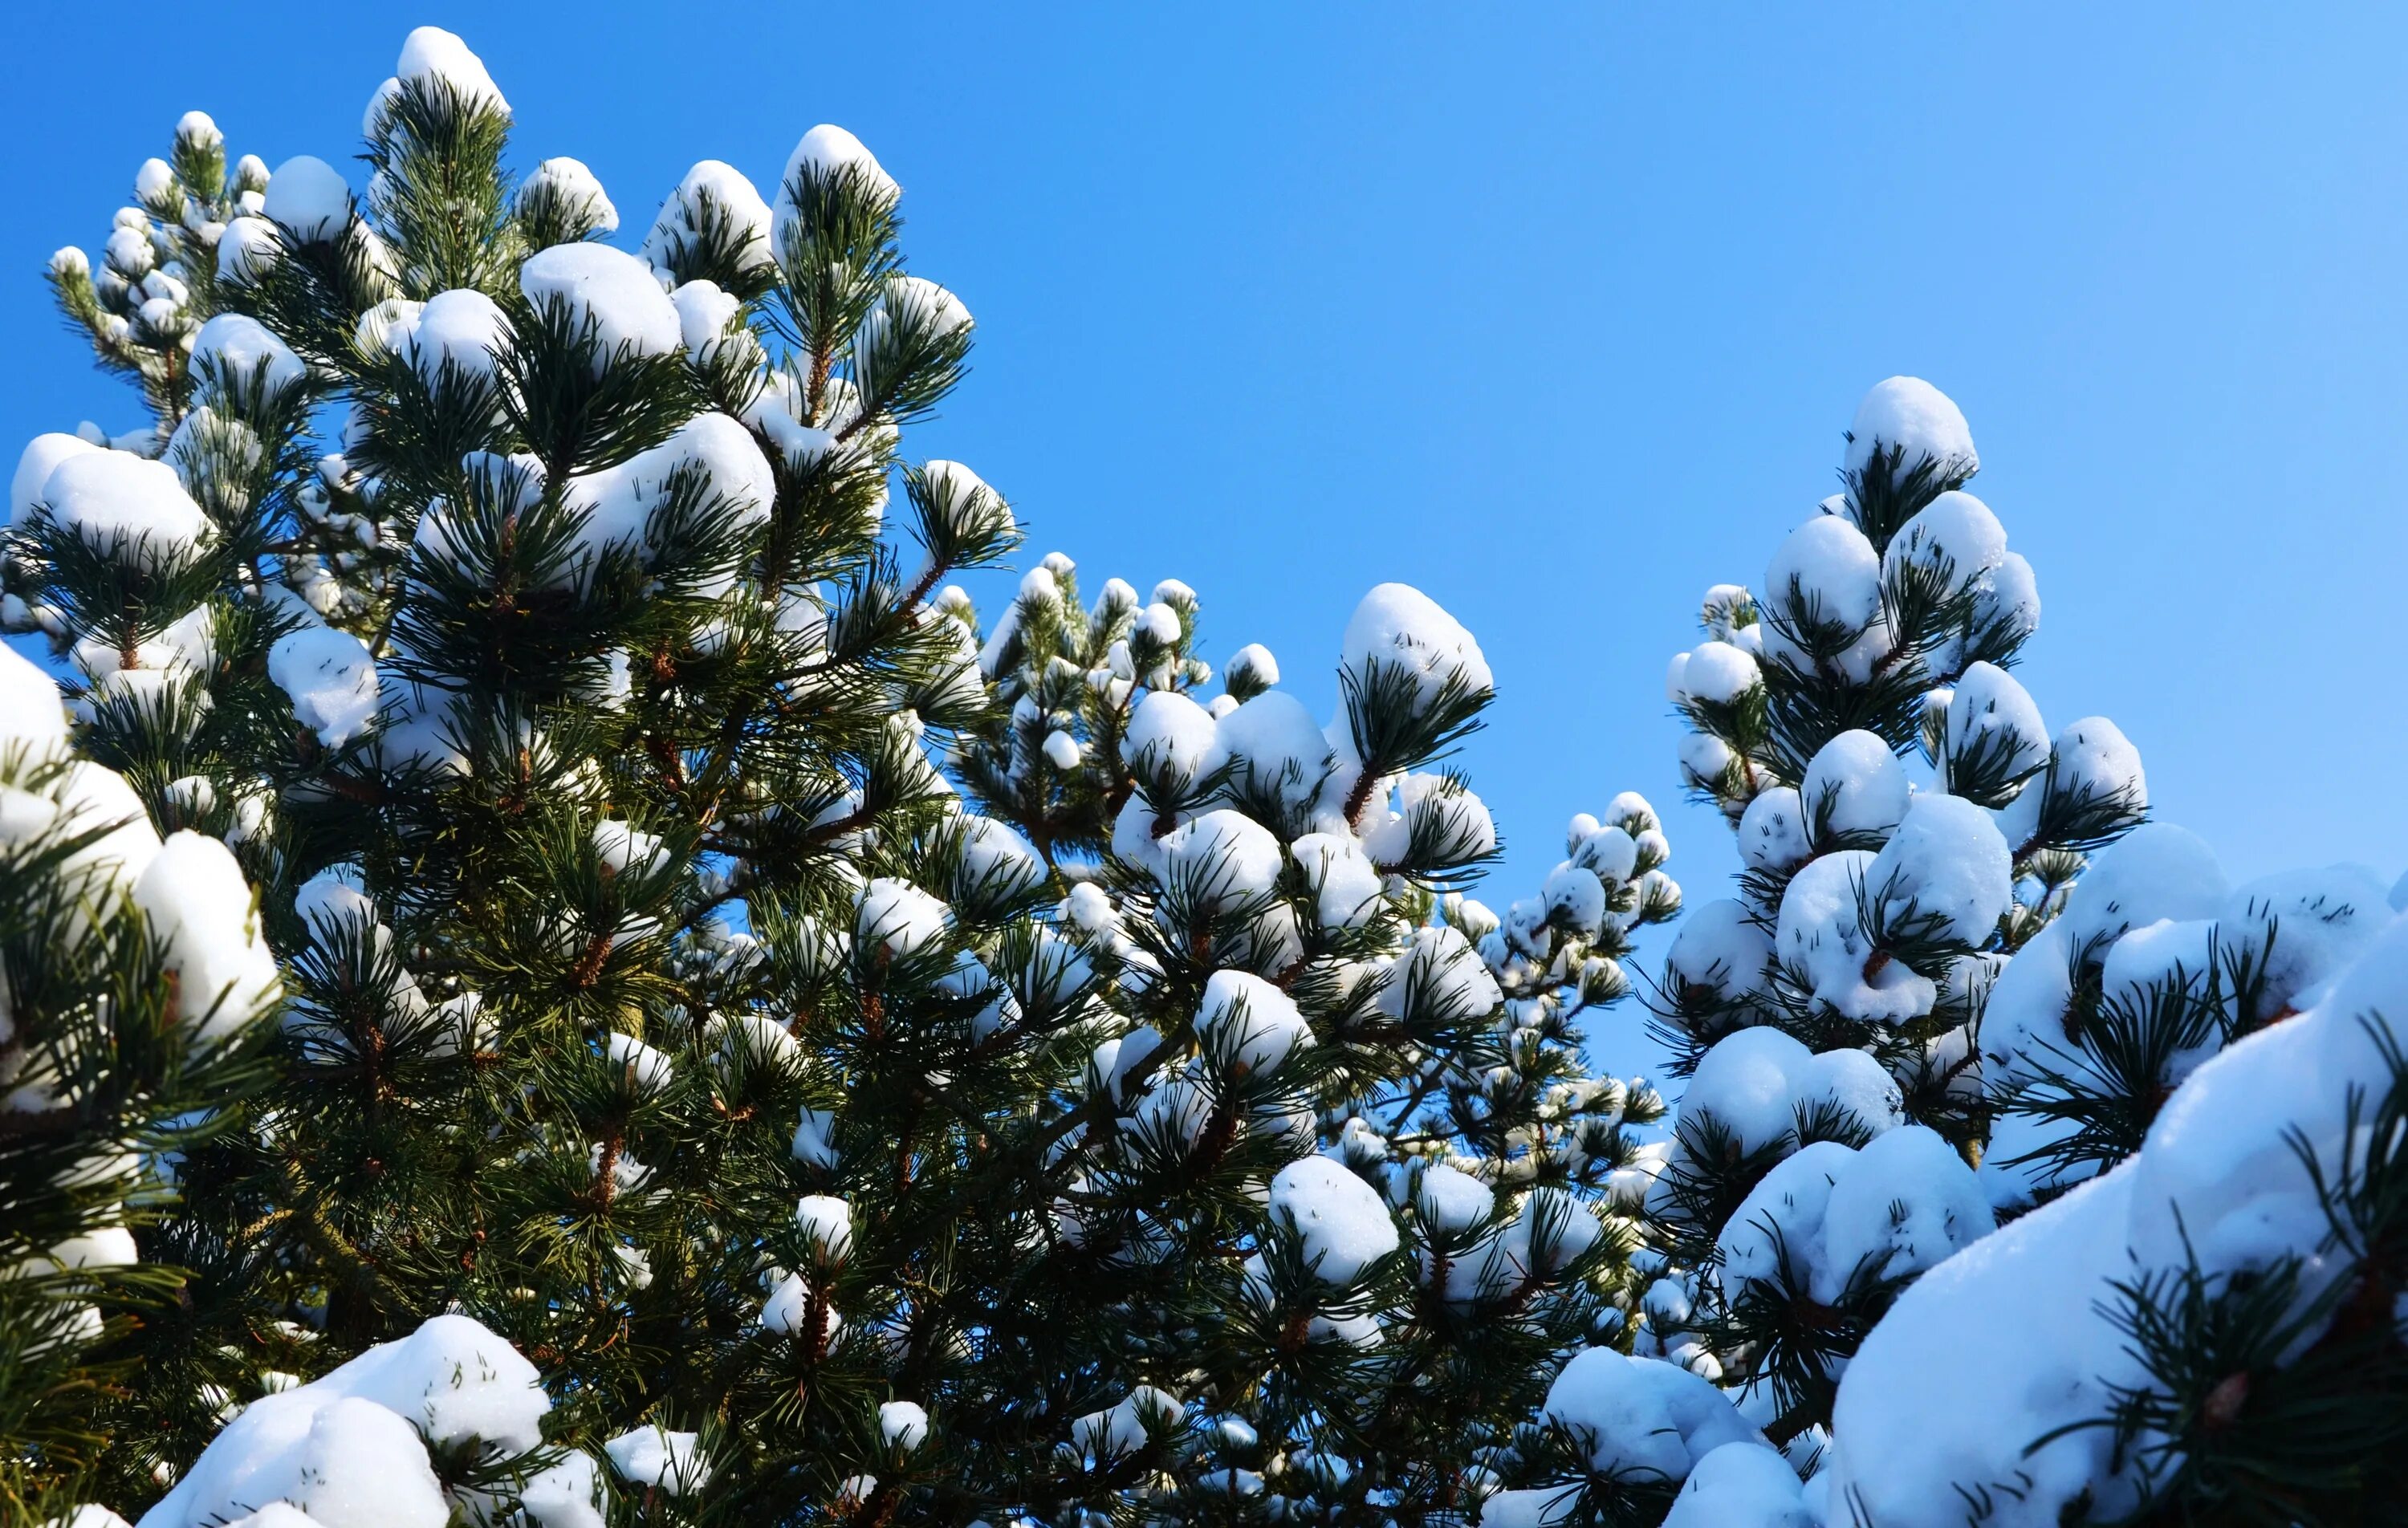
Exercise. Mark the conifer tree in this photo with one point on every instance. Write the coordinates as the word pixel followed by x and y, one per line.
pixel 1938 1004
pixel 751 1046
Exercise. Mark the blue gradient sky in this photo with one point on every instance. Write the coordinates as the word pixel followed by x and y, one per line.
pixel 1556 313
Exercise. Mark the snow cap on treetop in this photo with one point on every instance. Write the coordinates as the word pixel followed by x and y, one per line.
pixel 829 150
pixel 1908 412
pixel 436 59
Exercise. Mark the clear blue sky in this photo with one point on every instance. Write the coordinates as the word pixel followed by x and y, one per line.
pixel 1556 313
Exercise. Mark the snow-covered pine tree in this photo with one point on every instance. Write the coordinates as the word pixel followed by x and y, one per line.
pixel 1274 902
pixel 522 613
pixel 130 971
pixel 1936 1004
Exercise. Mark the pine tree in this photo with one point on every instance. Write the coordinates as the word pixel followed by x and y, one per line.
pixel 554 971
pixel 749 1048
pixel 131 969
pixel 1935 1006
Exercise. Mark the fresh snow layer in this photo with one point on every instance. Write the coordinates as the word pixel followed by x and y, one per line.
pixel 243 355
pixel 609 292
pixel 41 457
pixel 352 1449
pixel 1908 412
pixel 715 203
pixel 201 912
pixel 1251 1022
pixel 1755 1082
pixel 309 199
pixel 1402 628
pixel 111 498
pixel 331 680
pixel 1641 1417
pixel 2222 1176
pixel 1344 1224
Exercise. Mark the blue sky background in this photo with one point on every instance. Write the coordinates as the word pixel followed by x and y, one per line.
pixel 1556 313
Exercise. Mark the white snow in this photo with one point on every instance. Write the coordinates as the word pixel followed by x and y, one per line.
pixel 1449 1202
pixel 573 188
pixel 1753 1083
pixel 1222 857
pixel 1273 746
pixel 654 1456
pixel 1772 831
pixel 712 196
pixel 706 314
pixel 464 329
pixel 915 303
pixel 899 916
pixel 1641 1417
pixel 109 497
pixel 611 292
pixel 1450 819
pixel 1820 941
pixel 1743 1485
pixel 331 680
pixel 903 1424
pixel 434 57
pixel 1121 1428
pixel 621 848
pixel 1167 735
pixel 1790 1200
pixel 648 1071
pixel 352 1449
pixel 1825 573
pixel 2315 921
pixel 620 500
pixel 824 151
pixel 826 1223
pixel 2156 871
pixel 1253 659
pixel 92 797
pixel 309 199
pixel 41 457
pixel 1900 1205
pixel 1344 1224
pixel 236 349
pixel 201 912
pixel 1720 949
pixel 2092 761
pixel 1718 673
pixel 1857 781
pixel 1249 1020
pixel 1990 711
pixel 1950 542
pixel 1440 980
pixel 1910 412
pixel 992 853
pixel 1945 868
pixel 568 1495
pixel 33 721
pixel 1400 628
pixel 2221 1176
pixel 248 250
